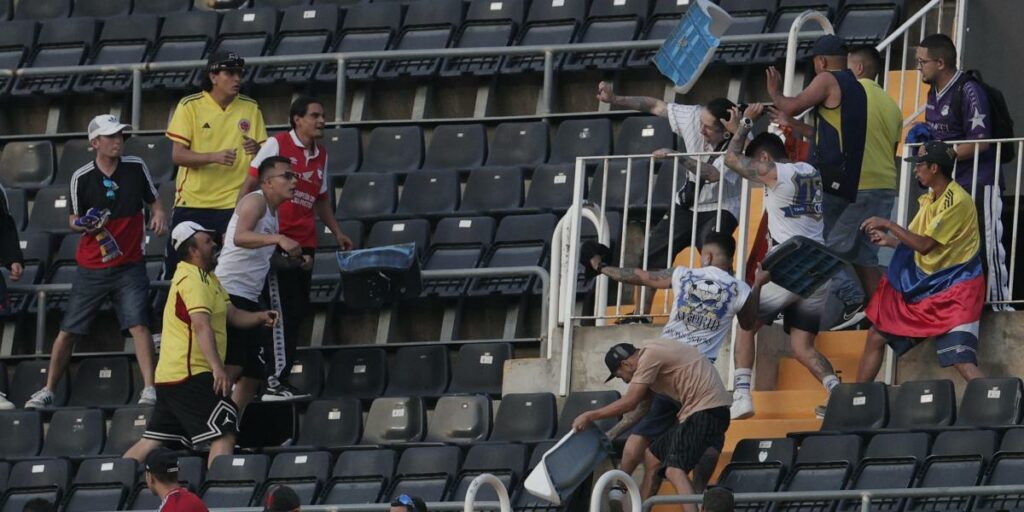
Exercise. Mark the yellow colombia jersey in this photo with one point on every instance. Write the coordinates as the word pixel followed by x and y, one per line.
pixel 192 290
pixel 885 125
pixel 952 221
pixel 202 126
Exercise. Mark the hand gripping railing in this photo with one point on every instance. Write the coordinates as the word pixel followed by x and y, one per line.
pixel 615 475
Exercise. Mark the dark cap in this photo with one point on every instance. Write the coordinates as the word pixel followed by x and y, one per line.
pixel 829 45
pixel 281 498
pixel 935 152
pixel 223 60
pixel 615 356
pixel 162 461
pixel 411 503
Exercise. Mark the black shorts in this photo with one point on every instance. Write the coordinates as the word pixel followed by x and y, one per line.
pixel 190 412
pixel 684 445
pixel 245 346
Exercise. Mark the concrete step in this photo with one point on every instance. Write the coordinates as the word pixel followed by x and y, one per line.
pixel 793 375
pixel 841 343
pixel 789 404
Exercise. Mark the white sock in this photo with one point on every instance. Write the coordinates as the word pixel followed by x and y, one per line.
pixel 742 381
pixel 830 382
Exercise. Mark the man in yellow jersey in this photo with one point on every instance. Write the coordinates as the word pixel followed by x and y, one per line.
pixel 193 403
pixel 216 132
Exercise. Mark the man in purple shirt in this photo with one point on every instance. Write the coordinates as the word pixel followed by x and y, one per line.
pixel 936 58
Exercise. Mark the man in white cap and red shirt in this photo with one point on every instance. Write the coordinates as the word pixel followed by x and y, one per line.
pixel 107 200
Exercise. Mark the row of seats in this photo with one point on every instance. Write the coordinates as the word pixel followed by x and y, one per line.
pixel 32 165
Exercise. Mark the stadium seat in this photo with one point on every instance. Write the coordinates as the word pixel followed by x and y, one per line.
pixel 392 232
pixel 891 461
pixel 506 461
pixel 856 407
pixel 35 249
pixel 5 472
pixel 1007 468
pixel 359 476
pixel 247 33
pixel 426 472
pixel 304 30
pixel 17 205
pixel 427 26
pixel 367 27
pixel 395 420
pixel 345 149
pixel 581 137
pixel 153 252
pixel 75 154
pixel 663 20
pixel 367 196
pixel 304 472
pixel 458 147
pixel 488 24
pixel 547 23
pixel 758 465
pixel 457 243
pixel 63 271
pixel 50 9
pixel 30 376
pixel 867 22
pixel 525 418
pixel 324 287
pixel 521 240
pixel 643 135
pixel 923 403
pixel 957 459
pixel 281 4
pixel 749 17
pixel 990 402
pixel 21 433
pixel 551 189
pixel 61 43
pixel 50 211
pixel 824 463
pixel 16 40
pixel 782 21
pixel 184 36
pixel 3 383
pixel 74 433
pixel 101 382
pixel 519 144
pixel 419 371
pixel 359 373
pixel 307 373
pixel 579 402
pixel 190 475
pixel 31 479
pixel 326 241
pixel 480 368
pixel 609 21
pixel 162 6
pixel 100 484
pixel 155 150
pixel 6 11
pixel 330 423
pixel 394 149
pixel 127 425
pixel 27 165
pixel 429 194
pixel 492 191
pixel 635 171
pixel 462 419
pixel 102 8
pixel 232 480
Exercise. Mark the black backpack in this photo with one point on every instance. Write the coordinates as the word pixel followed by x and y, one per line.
pixel 1002 123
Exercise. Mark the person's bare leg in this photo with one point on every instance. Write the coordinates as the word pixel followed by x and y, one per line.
pixel 744 350
pixel 802 343
pixel 245 390
pixel 223 445
pixel 651 468
pixel 60 356
pixel 969 371
pixel 704 469
pixel 144 352
pixel 871 359
pixel 682 484
pixel 633 453
pixel 140 449
pixel 869 278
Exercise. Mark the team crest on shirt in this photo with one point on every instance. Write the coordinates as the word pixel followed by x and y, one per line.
pixel 703 303
pixel 945 110
pixel 244 125
pixel 293 160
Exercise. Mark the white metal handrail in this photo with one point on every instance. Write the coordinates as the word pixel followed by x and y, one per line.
pixel 615 475
pixel 494 482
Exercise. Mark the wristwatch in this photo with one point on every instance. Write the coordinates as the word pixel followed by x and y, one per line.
pixel 747 122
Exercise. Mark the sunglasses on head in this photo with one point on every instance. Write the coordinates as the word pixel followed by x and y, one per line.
pixel 403 500
pixel 111 187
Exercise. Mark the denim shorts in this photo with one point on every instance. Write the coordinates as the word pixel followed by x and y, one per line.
pixel 843 220
pixel 127 286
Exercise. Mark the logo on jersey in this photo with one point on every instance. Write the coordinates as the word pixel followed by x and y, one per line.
pixel 945 110
pixel 704 303
pixel 807 196
pixel 244 125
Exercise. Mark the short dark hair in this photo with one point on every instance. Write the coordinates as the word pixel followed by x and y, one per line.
pixel 719 108
pixel 39 505
pixel 268 164
pixel 946 170
pixel 724 241
pixel 183 249
pixel 940 46
pixel 300 107
pixel 873 62
pixel 769 143
pixel 719 499
pixel 165 478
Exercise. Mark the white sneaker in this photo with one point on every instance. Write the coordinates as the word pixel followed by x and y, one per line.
pixel 148 396
pixel 742 406
pixel 40 399
pixel 5 404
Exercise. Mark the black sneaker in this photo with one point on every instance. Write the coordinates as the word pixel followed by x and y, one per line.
pixel 853 314
pixel 634 320
pixel 283 392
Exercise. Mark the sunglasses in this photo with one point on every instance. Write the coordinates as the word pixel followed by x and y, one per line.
pixel 288 175
pixel 111 187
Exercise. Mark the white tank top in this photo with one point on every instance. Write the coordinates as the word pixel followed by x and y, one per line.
pixel 242 271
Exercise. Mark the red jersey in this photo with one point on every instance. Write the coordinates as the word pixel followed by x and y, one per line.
pixel 296 218
pixel 182 500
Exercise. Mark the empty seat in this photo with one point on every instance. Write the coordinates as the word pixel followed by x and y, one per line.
pixel 101 382
pixel 331 423
pixel 460 420
pixel 505 461
pixel 360 476
pixel 27 165
pixel 581 137
pixel 492 191
pixel 419 371
pixel 345 149
pixel 43 10
pixel 426 472
pixel 247 33
pixel 857 406
pixel 360 373
pixel 155 150
pixel 458 242
pixel 394 232
pixel 162 6
pixel 184 36
pixel 123 40
pixel 643 135
pixel 429 194
pixel 61 43
pixel 304 30
pixel 35 250
pixel 21 433
pixel 891 461
pixel 74 433
pixel 427 26
pixel 366 196
pixel 100 484
pixel 281 4
pixel 395 420
pixel 16 40
pixel 17 206
pixel 525 417
pixel 488 24
pixel 609 21
pixel 549 22
pixel 867 22
pixel 823 463
pixel 102 8
pixel 551 188
pixel 663 21
pixel 758 465
pixel 30 376
pixel 518 144
pixel 232 480
pixel 958 460
pixel 1007 468
pixel 923 403
pixel 459 147
pixel 74 154
pixel 126 427
pixel 307 372
pixel 63 271
pixel 628 181
pixel 990 402
pixel 50 211
pixel 749 17
pixel 521 240
pixel 367 27
pixel 579 402
pixel 394 149
pixel 31 479
pixel 480 368
pixel 304 472
pixel 782 21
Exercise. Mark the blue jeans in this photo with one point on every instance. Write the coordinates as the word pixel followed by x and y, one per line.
pixel 844 236
pixel 126 285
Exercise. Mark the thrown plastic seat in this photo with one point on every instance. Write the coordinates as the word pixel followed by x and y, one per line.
pixel 480 368
pixel 426 472
pixel 101 484
pixel 359 373
pixel 247 33
pixel 581 137
pixel 461 419
pixel 16 40
pixel 419 371
pixel 492 191
pixel 232 480
pixel 990 402
pixel 360 476
pixel 663 21
pixel 457 243
pixel 43 10
pixel 184 36
pixel 395 420
pixel 304 472
pixel 857 406
pixel 923 403
pixel 459 147
pixel 506 461
pixel 525 417
pixel 126 427
pixel 782 21
pixel 867 22
pixel 749 17
pixel 394 149
pixel 29 377
pixel 331 423
pixel 430 194
pixel 21 433
pixel 958 459
pixel 74 433
pixel 609 21
pixel 519 144
pixel 367 196
pixel 304 30
pixel 31 479
pixel 101 382
pixel 891 461
pixel 427 26
pixel 547 23
pixel 521 240
pixel 62 42
pixel 488 24
pixel 27 165
pixel 367 27
pixel 162 6
pixel 345 149
pixel 579 402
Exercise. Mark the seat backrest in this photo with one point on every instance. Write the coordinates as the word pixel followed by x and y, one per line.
pixel 430 192
pixel 40 473
pixel 460 420
pixel 344 148
pixel 419 371
pixel 106 471
pixel 155 151
pixel 102 8
pixel 463 230
pixel 551 186
pixel 75 154
pixel 317 18
pixel 188 24
pixel 525 417
pixel 74 31
pixel 1013 441
pixel 480 368
pixel 30 376
pixel 395 420
pixel 367 195
pixel 126 427
pixel 965 442
pixel 21 433
pixel 746 6
pixel 249 22
pixel 546 11
pixel 101 381
pixel 27 164
pixel 307 373
pixel 579 402
pixel 457 147
pixel 902 444
pixel 35 247
pixel 496 457
pixel 991 402
pixel 17 205
pixel 300 465
pixel 857 406
pixel 394 149
pixel 581 137
pixel 637 9
pixel 49 9
pixel 491 11
pixel 360 373
pixel 433 13
pixel 526 228
pixel 74 432
pixel 18 34
pixel 373 16
pixel 239 468
pixel 392 232
pixel 354 463
pixel 429 460
pixel 782 450
pixel 494 190
pixel 841 448
pixel 923 403
pixel 50 211
pixel 519 144
pixel 333 422
pixel 642 135
pixel 162 6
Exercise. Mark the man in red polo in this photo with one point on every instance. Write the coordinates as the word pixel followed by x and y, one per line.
pixel 297 220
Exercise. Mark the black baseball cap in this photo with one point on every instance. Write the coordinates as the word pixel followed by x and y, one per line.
pixel 615 356
pixel 281 498
pixel 935 152
pixel 829 45
pixel 223 60
pixel 162 461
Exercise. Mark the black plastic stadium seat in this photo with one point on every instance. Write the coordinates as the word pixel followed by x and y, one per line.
pixel 331 423
pixel 488 24
pixel 304 472
pixel 155 150
pixel 74 433
pixel 579 402
pixel 427 26
pixel 29 377
pixel 891 461
pixel 458 147
pixel 1007 468
pixel 426 471
pixel 359 476
pixel 367 196
pixel 31 479
pixel 581 137
pixel 395 420
pixel 521 240
pixel 857 406
pixel 519 144
pixel 824 463
pixel 636 172
pixel 462 419
pixel 525 418
pixel 419 371
pixel 923 403
pixel 867 22
pixel 663 20
pixel 749 17
pixel 190 475
pixel 126 427
pixel 6 10
pixel 43 10
pixel 124 40
pixel 492 191
pixel 367 27
pixel 16 40
pixel 360 373
pixel 990 402
pixel 958 459
pixel 17 205
pixel 521 498
pixel 782 21
pixel 430 194
pixel 184 36
pixel 609 21
pixel 61 43
pixel 393 149
pixel 50 212
pixel 307 372
pixel 458 242
pixel 643 135
pixel 345 149
pixel 101 382
pixel 162 6
pixel 233 480
pixel 551 188
pixel 304 30
pixel 74 154
pixel 35 251
pixel 247 33
pixel 102 8
pixel 549 22
pixel 100 484
pixel 27 165
pixel 781 450
pixel 281 4
pixel 393 232
pixel 506 461
pixel 758 465
pixel 63 271
pixel 480 368
pixel 21 433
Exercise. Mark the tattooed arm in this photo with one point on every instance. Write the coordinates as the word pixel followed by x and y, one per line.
pixel 641 103
pixel 760 171
pixel 661 279
pixel 630 419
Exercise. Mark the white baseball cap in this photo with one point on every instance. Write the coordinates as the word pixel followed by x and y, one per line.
pixel 106 124
pixel 182 232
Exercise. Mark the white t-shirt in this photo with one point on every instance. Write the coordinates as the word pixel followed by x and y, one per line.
pixel 242 271
pixel 685 122
pixel 794 204
pixel 704 304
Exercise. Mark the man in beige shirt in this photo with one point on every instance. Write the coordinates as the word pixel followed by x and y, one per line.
pixel 681 373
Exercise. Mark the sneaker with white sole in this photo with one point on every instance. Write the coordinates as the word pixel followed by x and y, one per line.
pixel 148 396
pixel 742 406
pixel 5 404
pixel 853 314
pixel 819 410
pixel 283 392
pixel 40 399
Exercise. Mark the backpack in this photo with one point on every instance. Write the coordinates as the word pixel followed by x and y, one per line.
pixel 1002 123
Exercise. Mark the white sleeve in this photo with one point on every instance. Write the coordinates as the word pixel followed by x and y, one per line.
pixel 742 294
pixel 685 122
pixel 268 149
pixel 323 182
